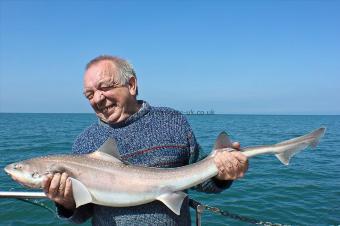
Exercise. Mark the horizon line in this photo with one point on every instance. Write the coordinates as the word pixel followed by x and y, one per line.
pixel 271 114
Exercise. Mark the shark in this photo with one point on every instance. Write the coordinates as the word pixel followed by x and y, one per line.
pixel 103 178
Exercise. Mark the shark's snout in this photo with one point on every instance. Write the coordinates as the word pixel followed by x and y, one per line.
pixel 8 169
pixel 12 171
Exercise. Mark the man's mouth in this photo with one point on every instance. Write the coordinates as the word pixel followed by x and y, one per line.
pixel 107 109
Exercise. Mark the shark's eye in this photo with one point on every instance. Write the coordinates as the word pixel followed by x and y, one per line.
pixel 35 175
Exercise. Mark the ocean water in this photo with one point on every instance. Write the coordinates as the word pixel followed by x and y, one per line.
pixel 307 192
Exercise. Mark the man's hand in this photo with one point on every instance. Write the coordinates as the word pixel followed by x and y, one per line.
pixel 231 165
pixel 58 188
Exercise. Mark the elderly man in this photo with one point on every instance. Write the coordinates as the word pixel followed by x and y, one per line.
pixel 146 135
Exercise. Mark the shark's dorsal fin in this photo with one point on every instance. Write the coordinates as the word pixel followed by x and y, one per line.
pixel 173 200
pixel 81 194
pixel 103 156
pixel 110 147
pixel 222 141
pixel 108 151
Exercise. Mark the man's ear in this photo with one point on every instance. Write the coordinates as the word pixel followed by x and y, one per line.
pixel 133 86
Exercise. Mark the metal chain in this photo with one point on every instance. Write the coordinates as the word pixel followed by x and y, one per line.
pixel 37 203
pixel 200 209
pixel 239 217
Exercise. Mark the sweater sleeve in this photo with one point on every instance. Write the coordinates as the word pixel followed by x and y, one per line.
pixel 211 185
pixel 82 213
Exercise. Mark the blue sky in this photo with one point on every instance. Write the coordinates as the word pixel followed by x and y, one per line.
pixel 249 57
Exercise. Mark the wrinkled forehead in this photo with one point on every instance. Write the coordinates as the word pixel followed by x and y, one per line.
pixel 103 71
pixel 107 69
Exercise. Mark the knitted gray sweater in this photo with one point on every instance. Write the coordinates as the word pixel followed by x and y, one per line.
pixel 154 137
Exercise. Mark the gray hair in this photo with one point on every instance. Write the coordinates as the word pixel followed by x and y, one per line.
pixel 124 68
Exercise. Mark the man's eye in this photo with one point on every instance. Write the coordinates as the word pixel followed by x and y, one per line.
pixel 106 88
pixel 89 95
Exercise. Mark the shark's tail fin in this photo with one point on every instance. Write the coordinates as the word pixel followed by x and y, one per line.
pixel 296 145
pixel 283 150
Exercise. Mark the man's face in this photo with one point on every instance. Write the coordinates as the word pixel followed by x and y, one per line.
pixel 111 101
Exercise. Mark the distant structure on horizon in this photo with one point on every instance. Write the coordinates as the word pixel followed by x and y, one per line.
pixel 192 112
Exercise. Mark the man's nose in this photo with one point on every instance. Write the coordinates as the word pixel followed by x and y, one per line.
pixel 98 96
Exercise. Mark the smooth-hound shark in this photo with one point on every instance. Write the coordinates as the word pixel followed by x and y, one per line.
pixel 104 179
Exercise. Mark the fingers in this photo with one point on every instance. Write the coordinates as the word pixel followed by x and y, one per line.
pixel 225 164
pixel 243 160
pixel 58 188
pixel 46 182
pixel 54 186
pixel 68 189
pixel 62 183
pixel 69 201
pixel 243 163
pixel 224 169
pixel 236 145
pixel 239 156
pixel 231 165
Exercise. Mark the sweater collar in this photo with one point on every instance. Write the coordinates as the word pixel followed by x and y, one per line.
pixel 145 108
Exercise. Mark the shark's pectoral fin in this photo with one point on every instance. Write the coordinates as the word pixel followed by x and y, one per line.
pixel 81 194
pixel 173 201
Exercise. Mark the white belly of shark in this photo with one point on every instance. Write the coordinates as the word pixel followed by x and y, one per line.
pixel 102 178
